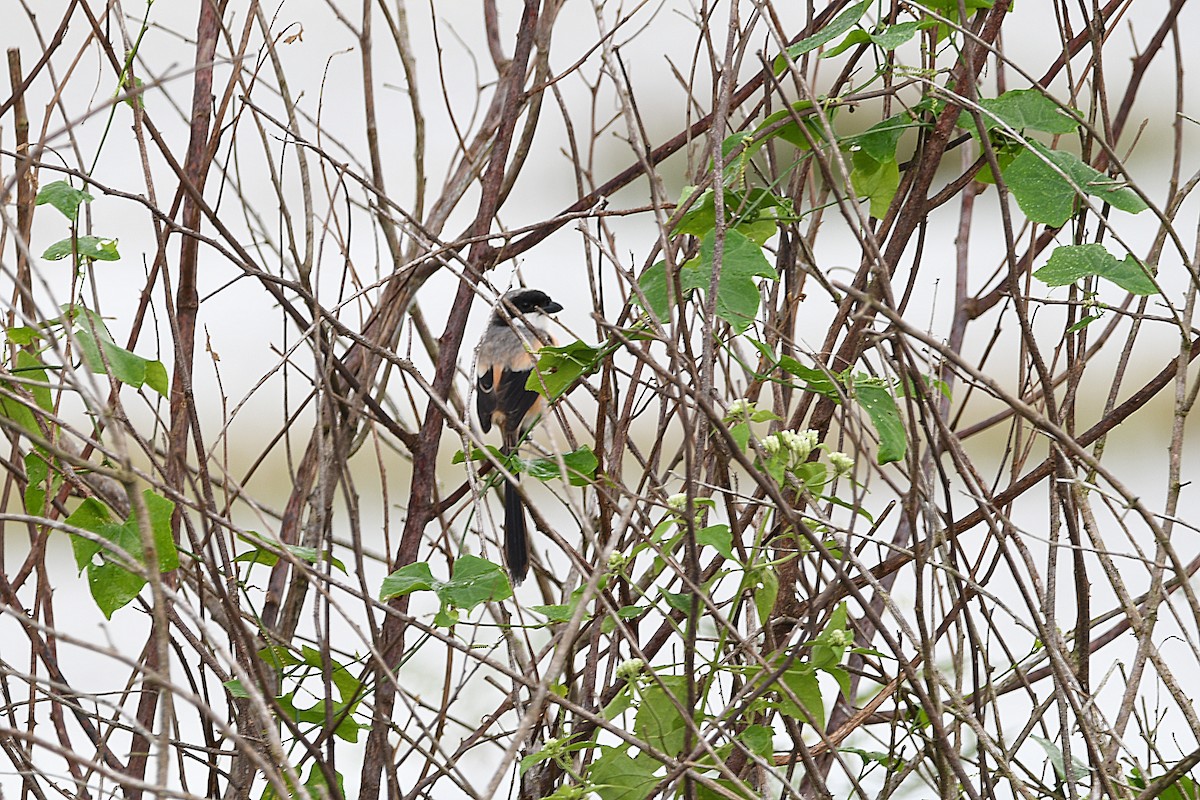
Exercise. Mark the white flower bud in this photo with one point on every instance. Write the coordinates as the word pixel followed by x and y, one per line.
pixel 841 463
pixel 629 670
pixel 739 408
pixel 841 638
pixel 677 503
pixel 800 443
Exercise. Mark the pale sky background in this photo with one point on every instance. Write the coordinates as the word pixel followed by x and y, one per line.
pixel 323 68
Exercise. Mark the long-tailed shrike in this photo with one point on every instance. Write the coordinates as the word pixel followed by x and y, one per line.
pixel 506 357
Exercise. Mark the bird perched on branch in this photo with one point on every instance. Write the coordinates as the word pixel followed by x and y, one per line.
pixel 506 357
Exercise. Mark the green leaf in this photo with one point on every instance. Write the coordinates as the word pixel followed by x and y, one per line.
pixel 1184 787
pixel 134 101
pixel 888 39
pixel 801 679
pixel 93 516
pixel 620 704
pixel 1083 323
pixel 1079 770
pixel 777 467
pixel 1005 153
pixel 653 284
pixel 18 412
pixel 156 378
pixel 735 168
pixel 1025 109
pixel 764 596
pixel 700 218
pixel 893 36
pixel 877 401
pixel 22 335
pixel 416 577
pixel 876 181
pixel 474 580
pixel 829 647
pixel 278 657
pixel 65 197
pixel 1072 263
pixel 842 677
pixel 680 601
pixel 31 368
pixel 97 248
pixel 127 367
pixel 659 722
pixel 815 380
pixel 1043 195
pixel 37 475
pixel 842 23
pixel 321 712
pixel 802 133
pixel 347 685
pixel 557 750
pixel 719 538
pixel 446 617
pixel 314 556
pixel 737 293
pixel 615 775
pixel 1047 197
pixel 580 467
pixel 479 454
pixel 316 786
pixel 159 510
pixel 741 434
pixel 559 367
pixel 814 474
pixel 880 140
pixel 949 10
pixel 854 38
pixel 561 612
pixel 631 612
pixel 113 587
pixel 875 756
pixel 758 739
pixel 753 213
pixel 257 556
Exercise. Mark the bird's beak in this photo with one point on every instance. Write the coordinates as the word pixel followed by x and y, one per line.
pixel 552 308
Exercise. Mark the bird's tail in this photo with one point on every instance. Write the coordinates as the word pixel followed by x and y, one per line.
pixel 516 539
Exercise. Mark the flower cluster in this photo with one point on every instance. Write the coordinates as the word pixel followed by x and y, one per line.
pixel 630 670
pixel 842 464
pixel 739 409
pixel 798 445
pixel 677 503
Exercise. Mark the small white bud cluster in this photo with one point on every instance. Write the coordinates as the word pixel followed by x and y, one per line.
pixel 797 444
pixel 677 503
pixel 739 408
pixel 630 669
pixel 842 464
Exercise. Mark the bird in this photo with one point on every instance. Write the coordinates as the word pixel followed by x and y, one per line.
pixel 504 361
